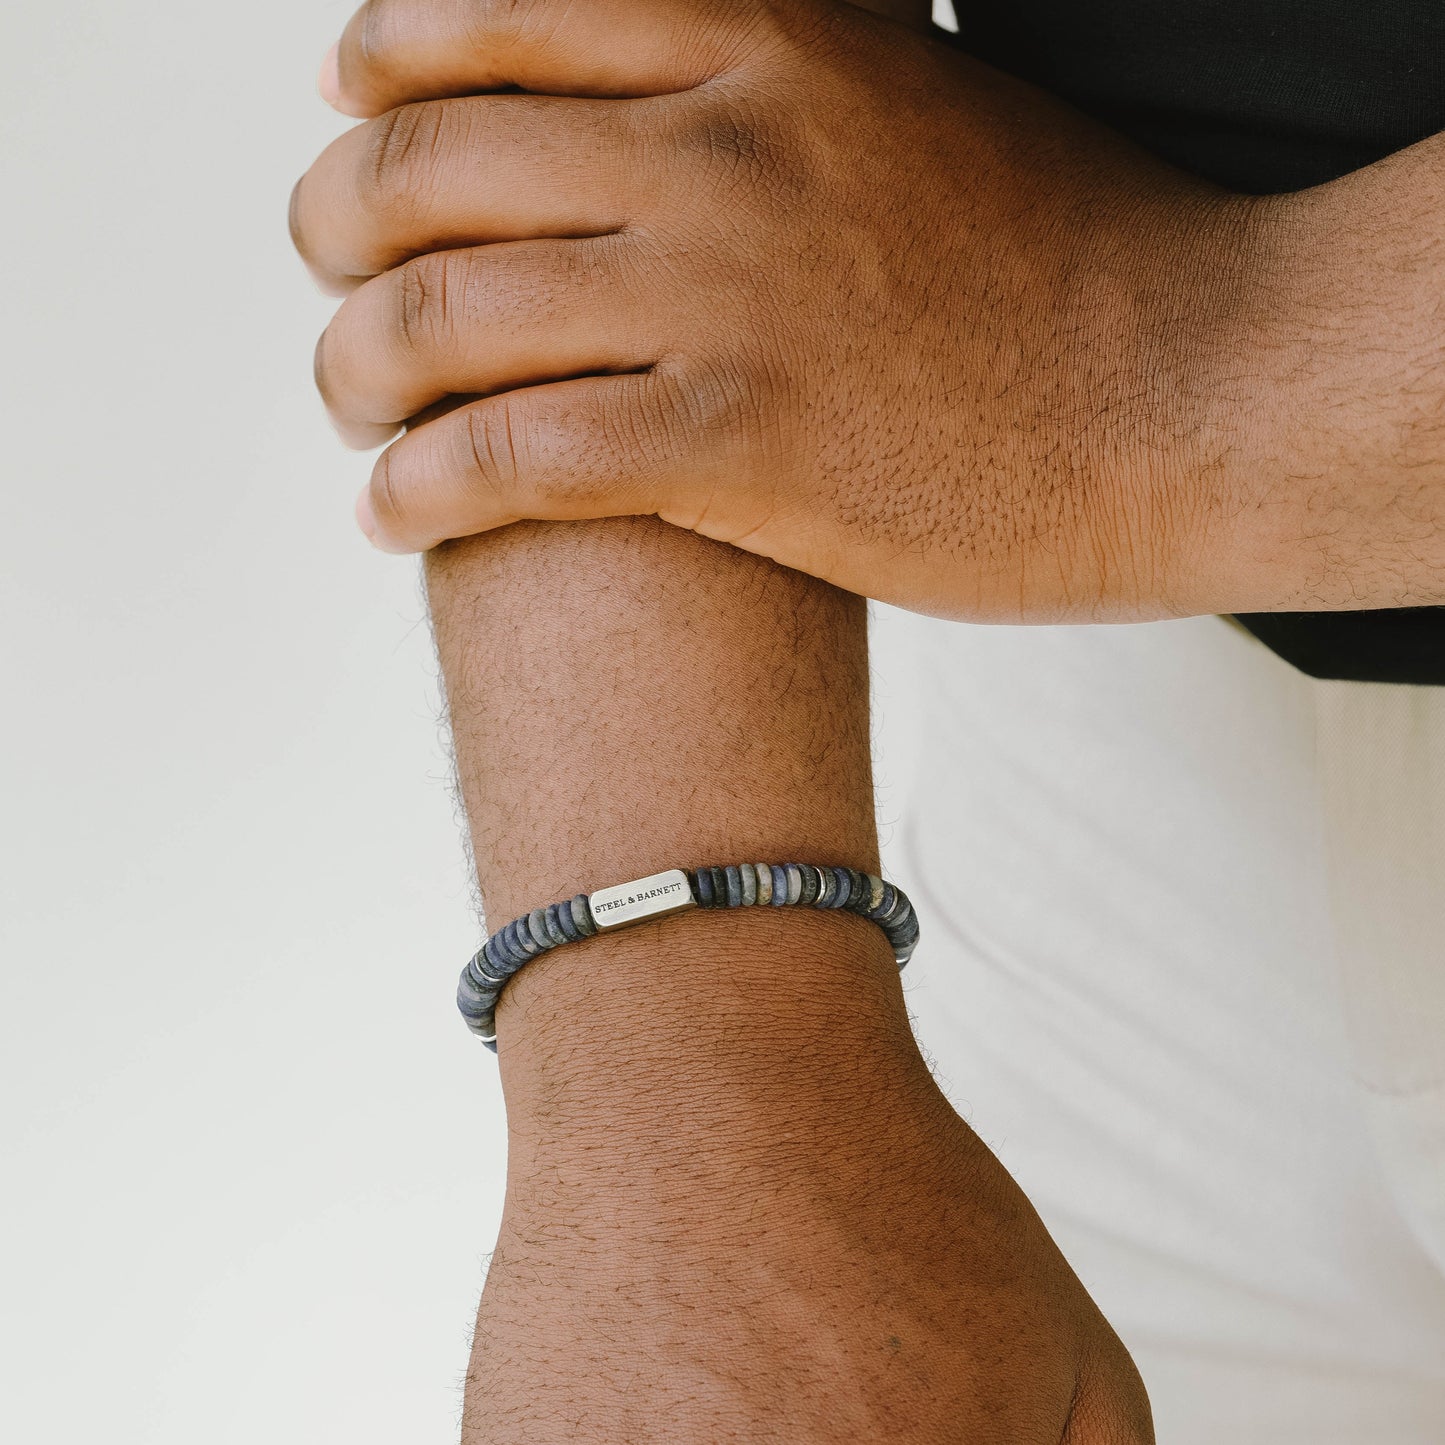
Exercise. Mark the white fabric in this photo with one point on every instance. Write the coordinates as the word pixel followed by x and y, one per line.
pixel 1183 968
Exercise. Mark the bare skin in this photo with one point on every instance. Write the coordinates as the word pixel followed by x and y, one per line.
pixel 738 1207
pixel 797 278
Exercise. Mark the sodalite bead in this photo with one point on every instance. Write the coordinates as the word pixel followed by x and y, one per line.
pixel 907 929
pixel 795 882
pixel 470 999
pixel 749 876
pixel 702 887
pixel 735 886
pixel 537 926
pixel 566 922
pixel 555 936
pixel 582 916
pixel 486 972
pixel 764 876
pixel 503 949
pixel 780 884
pixel 520 937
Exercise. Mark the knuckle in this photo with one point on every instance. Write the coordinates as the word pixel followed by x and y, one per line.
pixel 491 436
pixel 721 401
pixel 422 319
pixel 498 25
pixel 728 137
pixel 386 495
pixel 399 160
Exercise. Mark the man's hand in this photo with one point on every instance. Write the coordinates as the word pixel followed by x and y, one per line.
pixel 799 279
pixel 832 1258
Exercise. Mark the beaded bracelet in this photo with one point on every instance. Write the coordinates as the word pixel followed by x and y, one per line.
pixel 740 885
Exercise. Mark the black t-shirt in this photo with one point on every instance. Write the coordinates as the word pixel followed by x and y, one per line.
pixel 1259 96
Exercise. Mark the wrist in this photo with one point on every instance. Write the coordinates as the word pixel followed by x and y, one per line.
pixel 704 1043
pixel 1326 434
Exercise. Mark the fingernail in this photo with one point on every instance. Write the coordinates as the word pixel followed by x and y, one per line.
pixel 329 81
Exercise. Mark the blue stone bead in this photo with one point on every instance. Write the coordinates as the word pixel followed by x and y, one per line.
pixel 795 882
pixel 485 974
pixel 780 884
pixel 764 875
pixel 470 999
pixel 513 945
pixel 522 937
pixel 899 909
pixel 827 888
pixel 904 933
pixel 702 887
pixel 554 925
pixel 486 994
pixel 537 927
pixel 735 886
pixel 899 918
pixel 749 876
pixel 566 923
pixel 501 947
pixel 884 906
pixel 582 916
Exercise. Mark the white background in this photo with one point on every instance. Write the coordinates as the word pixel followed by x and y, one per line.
pixel 252 1161
pixel 251 1158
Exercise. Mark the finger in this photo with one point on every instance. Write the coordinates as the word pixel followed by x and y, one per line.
pixel 463 172
pixel 393 51
pixel 482 320
pixel 593 447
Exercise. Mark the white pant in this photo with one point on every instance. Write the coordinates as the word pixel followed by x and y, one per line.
pixel 1183 967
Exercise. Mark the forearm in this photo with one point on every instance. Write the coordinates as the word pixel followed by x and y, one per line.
pixel 1331 400
pixel 738 1206
pixel 627 697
